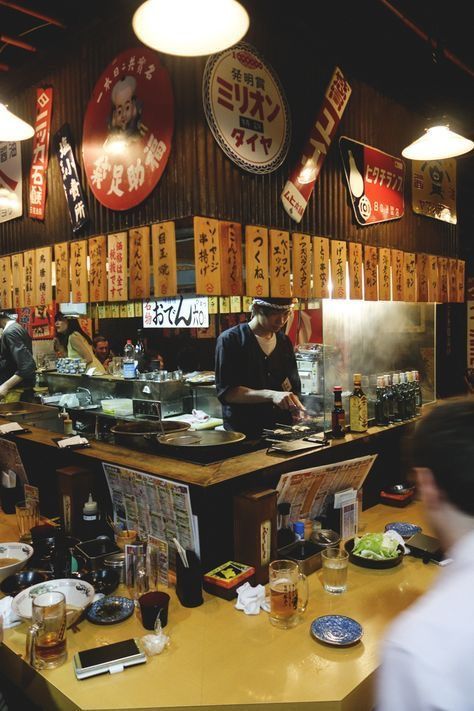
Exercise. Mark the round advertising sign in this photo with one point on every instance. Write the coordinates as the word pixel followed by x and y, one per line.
pixel 246 108
pixel 128 129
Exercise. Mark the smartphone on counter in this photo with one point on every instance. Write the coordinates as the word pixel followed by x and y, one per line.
pixel 111 658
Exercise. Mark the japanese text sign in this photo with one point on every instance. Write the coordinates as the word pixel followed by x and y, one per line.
pixel 384 274
pixel 433 278
pixel 73 193
pixel 321 267
pixel 397 275
pixel 79 279
pixel 43 285
pixel 181 312
pixel 246 108
pixel 443 279
pixel 18 282
pixel 128 128
pixel 355 271
pixel 29 274
pixel 434 189
pixel 230 235
pixel 40 157
pixel 11 204
pixel 409 276
pixel 461 280
pixel 61 262
pixel 280 266
pixel 256 261
pixel 163 239
pixel 422 277
pixel 207 256
pixel 6 283
pixel 98 268
pixel 338 268
pixel 453 280
pixel 139 260
pixel 375 181
pixel 302 261
pixel 371 258
pixel 300 184
pixel 118 265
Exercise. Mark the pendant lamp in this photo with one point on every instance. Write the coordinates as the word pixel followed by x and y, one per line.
pixel 13 128
pixel 438 142
pixel 190 28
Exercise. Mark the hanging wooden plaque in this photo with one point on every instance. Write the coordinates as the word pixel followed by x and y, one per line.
pixel 29 276
pixel 18 282
pixel 385 293
pixel 230 237
pixel 321 268
pixel 443 279
pixel 98 268
pixel 409 276
pixel 461 268
pixel 61 263
pixel 139 258
pixel 256 261
pixel 371 258
pixel 301 245
pixel 207 256
pixel 6 299
pixel 453 280
pixel 397 275
pixel 355 270
pixel 43 285
pixel 117 287
pixel 280 267
pixel 163 240
pixel 79 277
pixel 422 277
pixel 433 278
pixel 338 268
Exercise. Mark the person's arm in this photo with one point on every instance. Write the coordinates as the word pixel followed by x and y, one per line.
pixel 246 396
pixel 23 359
pixel 9 384
pixel 81 346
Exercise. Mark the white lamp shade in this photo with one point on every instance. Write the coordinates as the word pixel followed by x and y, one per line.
pixel 190 28
pixel 13 128
pixel 437 143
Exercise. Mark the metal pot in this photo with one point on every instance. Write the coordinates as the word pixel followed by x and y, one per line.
pixel 132 434
pixel 200 439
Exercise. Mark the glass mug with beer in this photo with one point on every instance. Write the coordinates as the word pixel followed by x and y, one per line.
pixel 288 593
pixel 46 638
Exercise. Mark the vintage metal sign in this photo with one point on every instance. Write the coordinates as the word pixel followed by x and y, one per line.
pixel 128 129
pixel 246 108
pixel 433 190
pixel 182 312
pixel 72 187
pixel 11 205
pixel 300 184
pixel 40 157
pixel 375 181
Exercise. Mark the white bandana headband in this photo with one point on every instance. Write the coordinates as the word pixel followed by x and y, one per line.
pixel 276 307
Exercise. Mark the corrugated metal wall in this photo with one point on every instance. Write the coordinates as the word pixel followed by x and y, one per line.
pixel 199 179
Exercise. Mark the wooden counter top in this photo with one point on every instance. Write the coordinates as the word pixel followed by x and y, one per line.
pixel 219 657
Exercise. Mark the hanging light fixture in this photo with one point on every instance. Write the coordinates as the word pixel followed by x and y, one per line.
pixel 13 128
pixel 438 142
pixel 190 28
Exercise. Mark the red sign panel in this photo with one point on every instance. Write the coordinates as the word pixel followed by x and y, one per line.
pixel 375 181
pixel 128 129
pixel 39 161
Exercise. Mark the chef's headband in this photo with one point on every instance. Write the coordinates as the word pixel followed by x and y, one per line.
pixel 275 304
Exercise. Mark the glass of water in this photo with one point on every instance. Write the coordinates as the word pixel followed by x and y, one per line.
pixel 335 563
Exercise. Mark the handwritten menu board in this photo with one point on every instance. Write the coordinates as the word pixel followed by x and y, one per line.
pixel 139 256
pixel 301 265
pixel 61 262
pixel 422 277
pixel 118 263
pixel 29 277
pixel 98 268
pixel 256 260
pixel 280 267
pixel 6 283
pixel 461 279
pixel 321 267
pixel 338 268
pixel 230 237
pixel 17 281
pixel 433 278
pixel 163 240
pixel 409 276
pixel 370 273
pixel 79 278
pixel 443 279
pixel 43 285
pixel 355 270
pixel 384 274
pixel 397 275
pixel 207 256
pixel 453 280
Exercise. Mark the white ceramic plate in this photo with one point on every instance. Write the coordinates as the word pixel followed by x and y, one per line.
pixel 21 551
pixel 78 593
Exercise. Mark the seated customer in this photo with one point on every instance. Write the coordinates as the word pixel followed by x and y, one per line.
pixel 79 345
pixel 102 352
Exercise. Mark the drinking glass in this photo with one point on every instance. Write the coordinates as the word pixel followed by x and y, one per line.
pixel 46 637
pixel 288 593
pixel 136 577
pixel 335 563
pixel 27 516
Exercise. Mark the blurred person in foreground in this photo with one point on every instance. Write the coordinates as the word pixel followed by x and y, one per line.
pixel 257 379
pixel 17 365
pixel 428 653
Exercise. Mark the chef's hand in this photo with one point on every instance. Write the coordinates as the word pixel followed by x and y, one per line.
pixel 287 401
pixel 3 391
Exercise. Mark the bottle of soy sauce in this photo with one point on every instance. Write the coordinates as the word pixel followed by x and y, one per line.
pixel 338 415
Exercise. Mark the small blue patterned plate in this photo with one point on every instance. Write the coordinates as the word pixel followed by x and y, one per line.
pixel 336 629
pixel 406 530
pixel 110 609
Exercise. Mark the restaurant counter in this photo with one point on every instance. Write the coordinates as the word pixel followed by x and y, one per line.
pixel 220 657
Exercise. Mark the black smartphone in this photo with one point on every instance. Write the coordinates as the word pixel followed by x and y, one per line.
pixel 108 658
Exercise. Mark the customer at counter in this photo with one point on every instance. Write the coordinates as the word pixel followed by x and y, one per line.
pixel 79 345
pixel 17 365
pixel 428 652
pixel 102 352
pixel 257 379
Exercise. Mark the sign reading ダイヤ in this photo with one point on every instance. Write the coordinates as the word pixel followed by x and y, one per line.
pixel 181 312
pixel 246 108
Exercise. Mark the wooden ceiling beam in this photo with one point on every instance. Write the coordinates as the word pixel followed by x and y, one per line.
pixel 33 13
pixel 17 43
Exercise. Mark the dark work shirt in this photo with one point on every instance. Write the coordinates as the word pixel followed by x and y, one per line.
pixel 241 361
pixel 16 356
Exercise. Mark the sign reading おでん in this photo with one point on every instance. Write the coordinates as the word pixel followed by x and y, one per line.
pixel 128 129
pixel 181 312
pixel 246 108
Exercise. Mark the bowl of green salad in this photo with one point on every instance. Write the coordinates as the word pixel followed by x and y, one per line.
pixel 376 550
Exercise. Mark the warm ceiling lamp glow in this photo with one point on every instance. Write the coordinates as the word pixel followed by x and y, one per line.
pixel 437 143
pixel 190 28
pixel 13 128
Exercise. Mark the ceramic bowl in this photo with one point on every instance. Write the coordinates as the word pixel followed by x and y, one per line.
pixel 104 580
pixel 78 593
pixel 22 580
pixel 19 552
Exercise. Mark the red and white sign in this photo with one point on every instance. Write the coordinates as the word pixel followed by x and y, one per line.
pixel 246 108
pixel 128 129
pixel 375 181
pixel 40 156
pixel 300 184
pixel 11 204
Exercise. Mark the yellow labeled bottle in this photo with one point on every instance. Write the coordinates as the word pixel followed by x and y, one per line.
pixel 358 413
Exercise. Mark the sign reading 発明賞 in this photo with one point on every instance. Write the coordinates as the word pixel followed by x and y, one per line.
pixel 246 108
pixel 375 182
pixel 76 203
pixel 11 205
pixel 433 189
pixel 39 161
pixel 182 312
pixel 128 129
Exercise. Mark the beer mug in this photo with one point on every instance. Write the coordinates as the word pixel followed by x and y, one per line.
pixel 46 638
pixel 288 593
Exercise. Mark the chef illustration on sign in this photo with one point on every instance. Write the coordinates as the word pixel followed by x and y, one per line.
pixel 125 119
